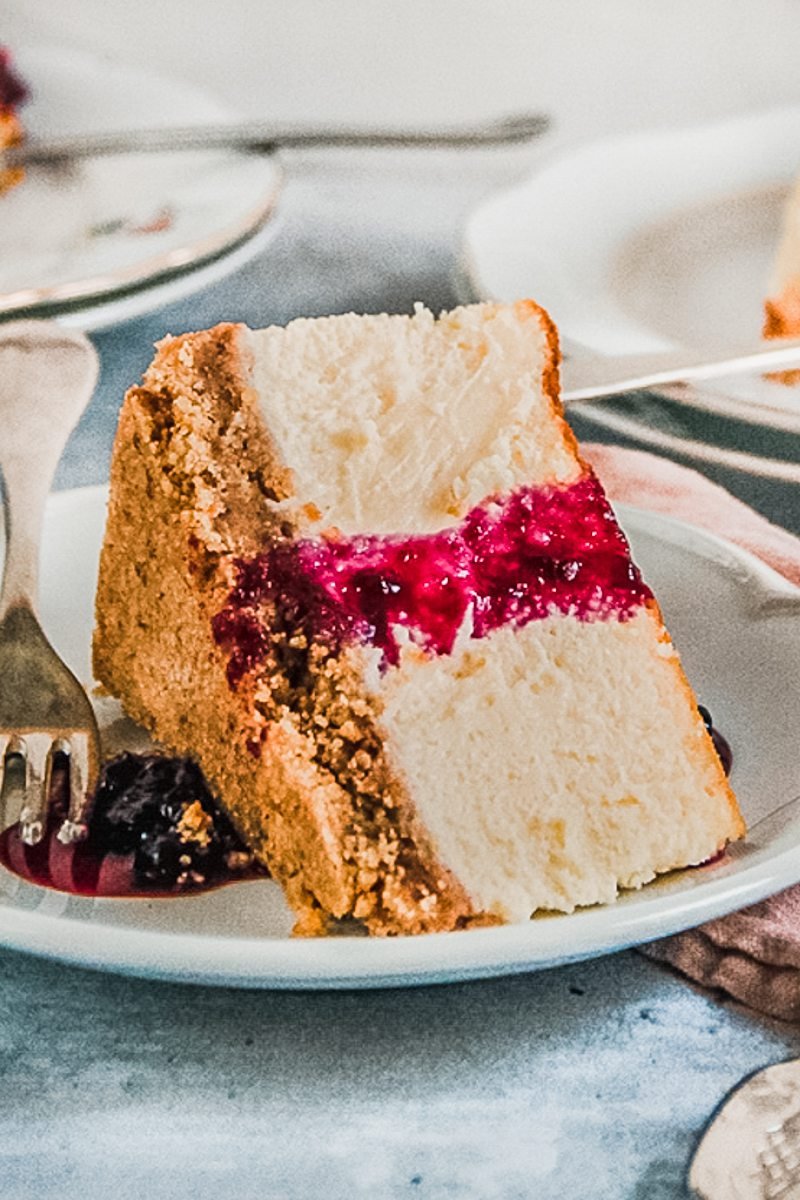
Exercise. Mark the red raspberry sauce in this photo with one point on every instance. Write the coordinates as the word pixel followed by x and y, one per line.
pixel 511 560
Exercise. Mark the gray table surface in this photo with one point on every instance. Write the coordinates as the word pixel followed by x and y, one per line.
pixel 594 1080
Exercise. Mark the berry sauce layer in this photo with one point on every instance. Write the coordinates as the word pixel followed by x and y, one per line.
pixel 511 560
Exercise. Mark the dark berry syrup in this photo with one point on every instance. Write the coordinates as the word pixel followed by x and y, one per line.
pixel 154 829
pixel 511 560
pixel 721 744
pixel 13 91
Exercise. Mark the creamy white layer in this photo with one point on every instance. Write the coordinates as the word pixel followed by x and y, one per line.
pixel 786 269
pixel 402 424
pixel 556 763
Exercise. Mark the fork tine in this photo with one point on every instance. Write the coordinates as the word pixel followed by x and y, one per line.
pixel 82 771
pixel 47 778
pixel 4 821
pixel 34 809
pixel 50 372
pixel 12 785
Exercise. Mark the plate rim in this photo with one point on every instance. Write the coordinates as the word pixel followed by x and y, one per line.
pixel 703 397
pixel 85 301
pixel 572 147
pixel 174 264
pixel 280 962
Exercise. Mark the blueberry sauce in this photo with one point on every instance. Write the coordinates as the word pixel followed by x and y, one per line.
pixel 721 744
pixel 510 561
pixel 155 829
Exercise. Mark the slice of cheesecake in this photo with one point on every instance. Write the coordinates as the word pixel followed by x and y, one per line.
pixel 358 570
pixel 782 307
pixel 13 93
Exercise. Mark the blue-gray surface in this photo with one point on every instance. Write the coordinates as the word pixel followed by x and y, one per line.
pixel 592 1081
pixel 589 1081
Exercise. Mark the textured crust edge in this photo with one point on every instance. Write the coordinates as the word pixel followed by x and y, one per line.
pixel 10 135
pixel 551 384
pixel 706 750
pixel 782 320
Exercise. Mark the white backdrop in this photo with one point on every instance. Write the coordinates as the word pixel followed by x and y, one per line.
pixel 602 65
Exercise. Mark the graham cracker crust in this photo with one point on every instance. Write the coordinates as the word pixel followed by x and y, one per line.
pixel 782 320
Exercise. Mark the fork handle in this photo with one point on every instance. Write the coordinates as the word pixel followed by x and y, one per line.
pixel 595 377
pixel 267 136
pixel 47 376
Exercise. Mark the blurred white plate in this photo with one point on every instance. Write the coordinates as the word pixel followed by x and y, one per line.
pixel 737 625
pixel 120 236
pixel 651 241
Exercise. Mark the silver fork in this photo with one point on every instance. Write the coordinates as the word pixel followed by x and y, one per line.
pixel 47 376
pixel 267 136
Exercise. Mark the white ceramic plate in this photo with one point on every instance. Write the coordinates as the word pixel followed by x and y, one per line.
pixel 737 625
pixel 120 236
pixel 651 241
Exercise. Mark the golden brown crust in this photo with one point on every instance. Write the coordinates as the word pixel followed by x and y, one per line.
pixel 782 319
pixel 10 135
pixel 551 385
pixel 704 753
pixel 195 484
pixel 551 373
pixel 782 313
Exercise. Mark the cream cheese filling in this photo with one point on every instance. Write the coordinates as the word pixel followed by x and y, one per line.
pixel 395 423
pixel 510 747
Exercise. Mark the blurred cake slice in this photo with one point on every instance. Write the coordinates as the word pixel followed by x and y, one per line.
pixel 357 569
pixel 13 93
pixel 782 308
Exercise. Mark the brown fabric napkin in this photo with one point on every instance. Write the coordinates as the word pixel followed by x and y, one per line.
pixel 752 955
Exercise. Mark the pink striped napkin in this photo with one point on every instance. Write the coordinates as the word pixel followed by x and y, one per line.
pixel 752 955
